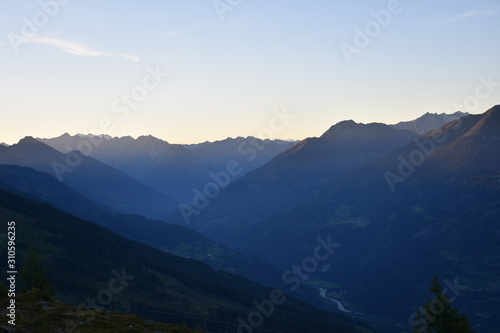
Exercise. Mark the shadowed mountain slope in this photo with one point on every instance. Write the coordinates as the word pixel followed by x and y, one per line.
pixel 92 178
pixel 82 258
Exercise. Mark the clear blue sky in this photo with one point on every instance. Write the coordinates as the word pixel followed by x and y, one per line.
pixel 226 76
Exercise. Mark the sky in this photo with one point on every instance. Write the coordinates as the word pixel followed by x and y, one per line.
pixel 188 71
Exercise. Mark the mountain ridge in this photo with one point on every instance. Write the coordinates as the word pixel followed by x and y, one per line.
pixel 307 163
pixel 429 121
pixel 175 239
pixel 94 179
pixel 172 169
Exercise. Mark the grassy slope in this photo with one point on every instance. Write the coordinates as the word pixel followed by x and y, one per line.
pixel 59 317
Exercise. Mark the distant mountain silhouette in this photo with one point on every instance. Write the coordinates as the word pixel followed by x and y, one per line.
pixel 92 178
pixel 168 168
pixel 174 170
pixel 249 152
pixel 429 122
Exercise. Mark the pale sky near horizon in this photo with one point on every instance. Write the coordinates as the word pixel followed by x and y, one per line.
pixel 65 67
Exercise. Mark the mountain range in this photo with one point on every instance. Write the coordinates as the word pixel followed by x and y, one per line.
pixel 92 178
pixel 173 170
pixel 429 122
pixel 175 239
pixel 250 152
pixel 430 206
pixel 392 205
pixel 289 176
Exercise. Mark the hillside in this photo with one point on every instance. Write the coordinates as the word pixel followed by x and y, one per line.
pixel 81 258
pixel 90 177
pixel 44 187
pixel 36 316
pixel 176 239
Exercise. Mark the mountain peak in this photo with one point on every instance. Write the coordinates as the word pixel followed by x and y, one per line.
pixel 348 122
pixel 63 136
pixel 489 125
pixel 149 136
pixel 494 109
pixel 459 113
pixel 340 127
pixel 29 143
pixel 428 122
pixel 349 129
pixel 90 135
pixel 29 140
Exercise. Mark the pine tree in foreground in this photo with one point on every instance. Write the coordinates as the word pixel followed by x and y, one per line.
pixel 34 275
pixel 439 316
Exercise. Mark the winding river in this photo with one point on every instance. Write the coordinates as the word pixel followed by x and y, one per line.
pixel 322 293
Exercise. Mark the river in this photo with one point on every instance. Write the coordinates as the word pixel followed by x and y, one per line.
pixel 322 293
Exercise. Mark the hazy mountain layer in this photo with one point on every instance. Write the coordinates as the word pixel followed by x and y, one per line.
pixel 429 122
pixel 92 178
pixel 286 178
pixel 179 240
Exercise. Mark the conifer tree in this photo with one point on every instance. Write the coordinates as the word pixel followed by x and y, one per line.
pixel 439 316
pixel 34 274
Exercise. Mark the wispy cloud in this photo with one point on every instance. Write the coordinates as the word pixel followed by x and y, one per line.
pixel 171 33
pixel 78 48
pixel 469 15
